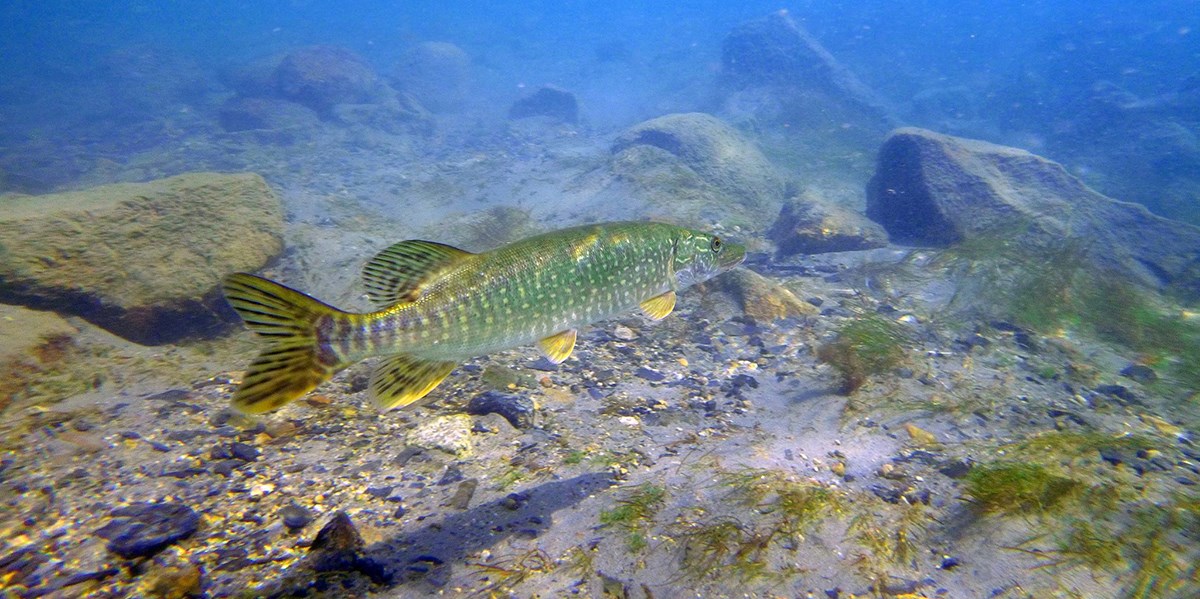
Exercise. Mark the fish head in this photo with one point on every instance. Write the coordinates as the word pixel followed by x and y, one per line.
pixel 701 256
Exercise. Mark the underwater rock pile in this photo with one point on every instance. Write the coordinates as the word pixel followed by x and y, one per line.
pixel 141 260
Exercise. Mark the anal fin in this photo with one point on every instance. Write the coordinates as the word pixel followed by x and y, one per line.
pixel 401 379
pixel 659 306
pixel 558 347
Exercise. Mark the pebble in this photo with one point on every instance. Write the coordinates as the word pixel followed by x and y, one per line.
pixel 144 529
pixel 1140 373
pixel 518 410
pixel 650 374
pixel 295 516
pixel 244 452
pixel 624 333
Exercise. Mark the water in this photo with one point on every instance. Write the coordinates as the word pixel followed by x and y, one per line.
pixel 986 388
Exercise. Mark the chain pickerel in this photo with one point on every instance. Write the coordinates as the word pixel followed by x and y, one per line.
pixel 439 305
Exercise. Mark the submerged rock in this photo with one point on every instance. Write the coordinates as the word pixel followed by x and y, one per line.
pixel 940 190
pixel 548 101
pixel 437 74
pixel 142 260
pixel 808 225
pixel 695 165
pixel 518 410
pixel 451 434
pixel 322 76
pixel 760 297
pixel 144 529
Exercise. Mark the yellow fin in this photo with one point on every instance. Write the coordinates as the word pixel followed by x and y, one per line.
pixel 402 379
pixel 659 306
pixel 400 272
pixel 558 347
pixel 293 363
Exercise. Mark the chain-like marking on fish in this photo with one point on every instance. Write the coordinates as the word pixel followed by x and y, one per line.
pixel 440 305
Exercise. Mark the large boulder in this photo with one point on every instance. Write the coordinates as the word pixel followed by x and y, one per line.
pixel 695 166
pixel 777 75
pixel 437 74
pixel 939 190
pixel 143 260
pixel 321 77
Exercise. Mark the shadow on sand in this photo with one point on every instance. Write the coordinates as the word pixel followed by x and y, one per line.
pixel 339 564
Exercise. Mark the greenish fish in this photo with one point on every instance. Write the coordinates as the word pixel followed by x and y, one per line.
pixel 439 305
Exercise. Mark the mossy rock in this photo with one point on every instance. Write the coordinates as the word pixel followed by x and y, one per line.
pixel 143 260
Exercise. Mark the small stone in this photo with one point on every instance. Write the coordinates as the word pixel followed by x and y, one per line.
pixel 955 468
pixel 949 563
pixel 295 516
pixel 624 333
pixel 461 499
pixel 650 374
pixel 144 529
pixel 1140 373
pixel 838 468
pixel 338 534
pixel 518 410
pixel 173 582
pixel 919 435
pixel 380 492
pixel 243 452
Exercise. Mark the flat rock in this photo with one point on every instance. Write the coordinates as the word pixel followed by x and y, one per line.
pixel 144 529
pixel 518 410
pixel 809 225
pixel 761 298
pixel 451 434
pixel 939 190
pixel 143 260
pixel 693 165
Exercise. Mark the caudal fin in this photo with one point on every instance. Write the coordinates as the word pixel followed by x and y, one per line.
pixel 292 363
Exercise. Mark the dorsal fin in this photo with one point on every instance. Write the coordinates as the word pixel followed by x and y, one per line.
pixel 398 273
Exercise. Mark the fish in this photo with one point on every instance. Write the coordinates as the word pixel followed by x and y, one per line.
pixel 437 306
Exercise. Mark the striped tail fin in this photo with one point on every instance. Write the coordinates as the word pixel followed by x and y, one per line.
pixel 293 362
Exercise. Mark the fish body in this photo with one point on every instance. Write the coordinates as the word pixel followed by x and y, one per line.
pixel 439 305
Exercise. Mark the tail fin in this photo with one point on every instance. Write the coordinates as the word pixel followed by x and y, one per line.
pixel 293 362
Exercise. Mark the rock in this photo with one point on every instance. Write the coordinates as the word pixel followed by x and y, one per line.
pixel 761 298
pixel 649 374
pixel 694 165
pixel 547 101
pixel 247 114
pixel 518 410
pixel 143 260
pixel 778 77
pixel 809 225
pixel 437 74
pixel 144 529
pixel 1140 373
pixel 295 516
pixel 940 190
pixel 338 534
pixel 451 434
pixel 173 582
pixel 322 76
pixel 392 112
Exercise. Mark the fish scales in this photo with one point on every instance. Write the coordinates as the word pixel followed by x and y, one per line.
pixel 441 305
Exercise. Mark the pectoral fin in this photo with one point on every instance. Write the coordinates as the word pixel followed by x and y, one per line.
pixel 659 306
pixel 402 379
pixel 558 346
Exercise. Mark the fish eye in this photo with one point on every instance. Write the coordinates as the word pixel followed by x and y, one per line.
pixel 715 245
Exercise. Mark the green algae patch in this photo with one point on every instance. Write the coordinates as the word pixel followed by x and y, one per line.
pixel 865 346
pixel 1015 488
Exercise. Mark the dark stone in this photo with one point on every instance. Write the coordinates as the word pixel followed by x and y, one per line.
pixel 1119 392
pixel 452 474
pixel 144 529
pixel 518 410
pixel 170 395
pixel 321 76
pixel 338 534
pixel 295 516
pixel 244 452
pixel 380 492
pixel 547 101
pixel 650 374
pixel 955 468
pixel 461 499
pixel 226 467
pixel 949 563
pixel 186 436
pixel 1140 373
pixel 183 472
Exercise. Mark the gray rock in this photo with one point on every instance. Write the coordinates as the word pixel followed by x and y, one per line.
pixel 437 74
pixel 809 225
pixel 143 260
pixel 322 76
pixel 694 165
pixel 939 190
pixel 547 101
pixel 144 529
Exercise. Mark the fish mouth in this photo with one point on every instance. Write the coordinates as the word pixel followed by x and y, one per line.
pixel 731 257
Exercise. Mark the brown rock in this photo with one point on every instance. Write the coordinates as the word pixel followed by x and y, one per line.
pixel 809 225
pixel 761 298
pixel 142 260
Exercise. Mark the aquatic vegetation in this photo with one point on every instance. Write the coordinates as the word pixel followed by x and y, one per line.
pixel 864 346
pixel 504 573
pixel 1018 488
pixel 887 543
pixel 1067 444
pixel 635 512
